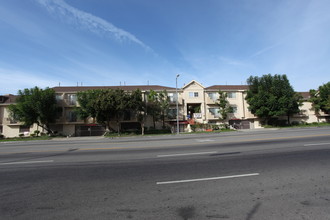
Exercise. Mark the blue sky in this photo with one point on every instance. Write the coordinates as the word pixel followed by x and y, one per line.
pixel 216 42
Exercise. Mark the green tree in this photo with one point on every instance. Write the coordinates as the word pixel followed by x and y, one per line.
pixel 164 105
pixel 111 105
pixel 272 96
pixel 153 106
pixel 35 106
pixel 224 107
pixel 105 105
pixel 321 99
pixel 87 104
pixel 138 106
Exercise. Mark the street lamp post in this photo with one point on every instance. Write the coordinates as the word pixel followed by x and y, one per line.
pixel 177 104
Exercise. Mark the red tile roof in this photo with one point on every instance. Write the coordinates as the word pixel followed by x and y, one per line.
pixel 125 88
pixel 305 95
pixel 228 87
pixel 8 99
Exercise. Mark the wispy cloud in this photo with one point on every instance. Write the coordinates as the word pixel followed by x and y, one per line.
pixel 263 50
pixel 88 21
pixel 232 62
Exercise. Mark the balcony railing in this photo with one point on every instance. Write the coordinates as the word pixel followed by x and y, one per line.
pixel 70 102
pixel 208 100
pixel 173 101
pixel 11 121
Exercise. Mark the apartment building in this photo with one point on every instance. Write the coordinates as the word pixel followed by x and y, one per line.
pixel 197 104
pixel 9 127
pixel 67 122
pixel 198 97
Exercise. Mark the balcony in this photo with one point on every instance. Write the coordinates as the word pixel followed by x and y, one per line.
pixel 11 121
pixel 210 101
pixel 211 116
pixel 173 101
pixel 70 102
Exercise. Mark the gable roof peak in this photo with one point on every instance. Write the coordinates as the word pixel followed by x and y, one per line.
pixel 193 82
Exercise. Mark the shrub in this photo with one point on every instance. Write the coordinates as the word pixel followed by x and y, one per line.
pixel 36 132
pixel 158 131
pixel 295 123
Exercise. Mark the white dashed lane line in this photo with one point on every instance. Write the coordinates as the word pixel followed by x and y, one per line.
pixel 186 154
pixel 207 179
pixel 28 162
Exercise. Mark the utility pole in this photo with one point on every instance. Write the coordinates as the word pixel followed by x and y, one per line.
pixel 177 104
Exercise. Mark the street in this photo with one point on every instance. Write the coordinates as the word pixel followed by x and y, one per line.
pixel 268 174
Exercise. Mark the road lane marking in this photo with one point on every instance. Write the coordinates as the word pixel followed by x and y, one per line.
pixel 207 179
pixel 316 144
pixel 27 162
pixel 186 154
pixel 204 140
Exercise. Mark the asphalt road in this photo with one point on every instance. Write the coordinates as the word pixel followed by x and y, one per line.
pixel 281 174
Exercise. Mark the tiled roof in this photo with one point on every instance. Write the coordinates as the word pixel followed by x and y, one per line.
pixel 8 99
pixel 305 95
pixel 125 88
pixel 228 87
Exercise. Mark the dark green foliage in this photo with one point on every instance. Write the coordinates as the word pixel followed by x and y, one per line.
pixel 164 105
pixel 272 96
pixel 321 99
pixel 87 102
pixel 109 105
pixel 104 105
pixel 158 106
pixel 158 131
pixel 224 107
pixel 138 106
pixel 35 105
pixel 153 107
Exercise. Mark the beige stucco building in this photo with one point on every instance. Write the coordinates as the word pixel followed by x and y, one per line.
pixel 197 104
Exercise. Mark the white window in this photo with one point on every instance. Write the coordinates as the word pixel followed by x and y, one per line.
pixel 214 111
pixel 24 128
pixel 213 96
pixel 193 94
pixel 231 95
pixel 59 97
pixel 172 113
pixel 234 109
pixel 72 98
pixel 172 97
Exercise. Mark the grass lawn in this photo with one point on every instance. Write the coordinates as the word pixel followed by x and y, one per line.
pixel 315 124
pixel 26 138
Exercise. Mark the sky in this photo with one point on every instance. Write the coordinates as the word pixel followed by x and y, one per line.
pixel 47 43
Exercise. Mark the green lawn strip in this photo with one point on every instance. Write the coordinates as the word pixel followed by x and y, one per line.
pixel 25 139
pixel 323 124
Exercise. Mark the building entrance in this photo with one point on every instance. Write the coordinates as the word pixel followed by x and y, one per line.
pixel 194 111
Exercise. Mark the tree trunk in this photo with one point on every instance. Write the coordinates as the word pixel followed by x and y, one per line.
pixel 107 127
pixel 163 118
pixel 142 128
pixel 118 127
pixel 45 127
pixel 154 121
pixel 267 121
